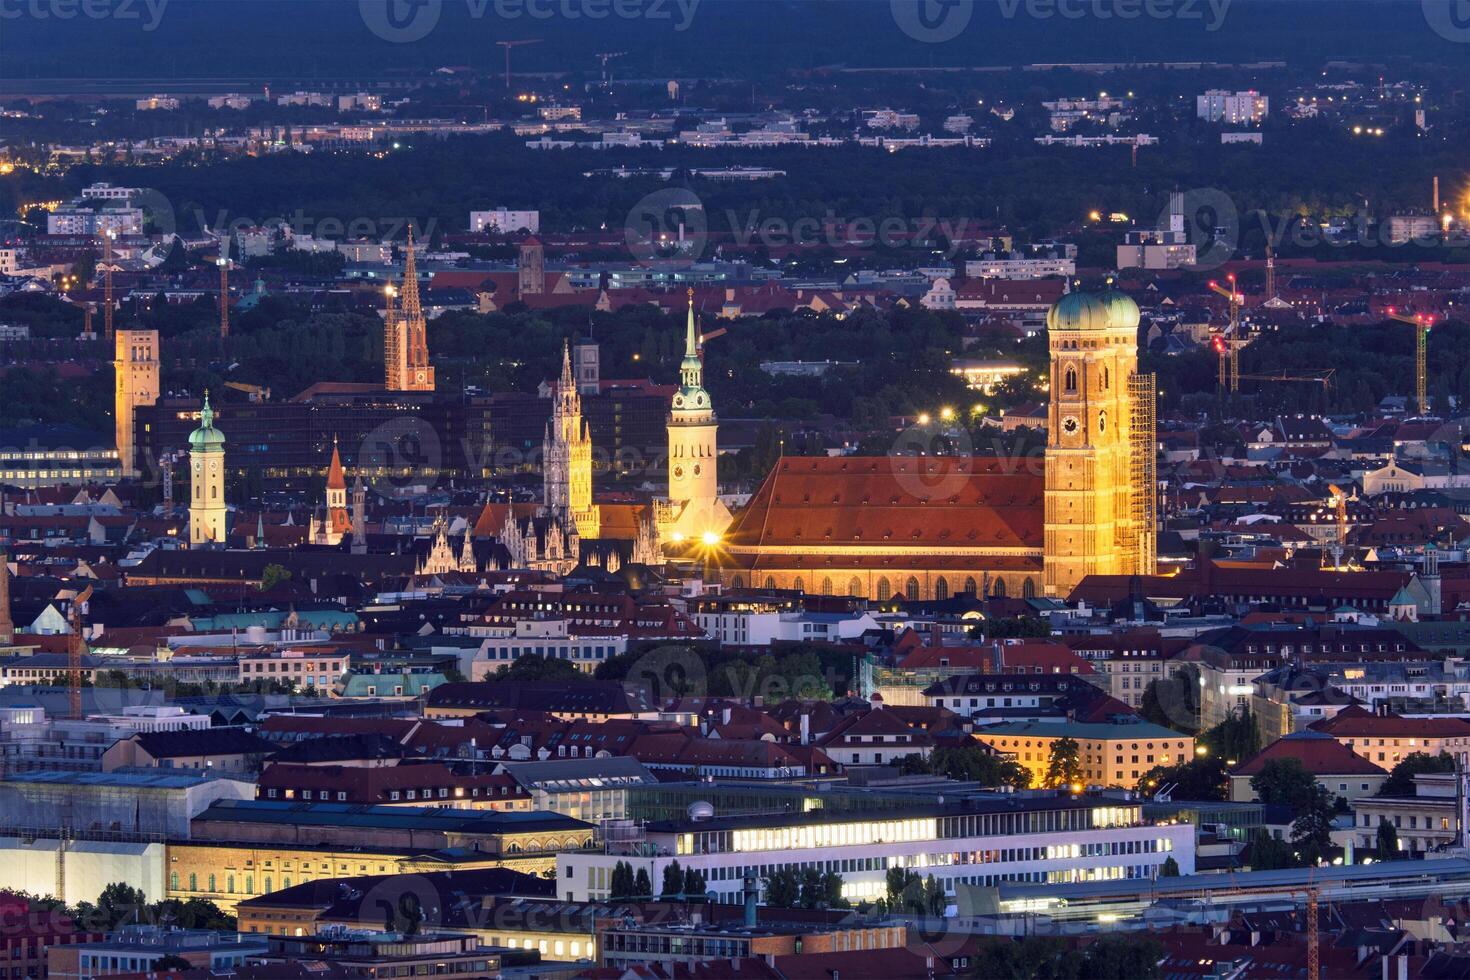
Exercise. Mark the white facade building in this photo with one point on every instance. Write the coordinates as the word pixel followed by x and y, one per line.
pixel 1056 840
pixel 1235 109
pixel 503 221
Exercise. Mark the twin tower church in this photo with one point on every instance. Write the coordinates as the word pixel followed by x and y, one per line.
pixel 907 527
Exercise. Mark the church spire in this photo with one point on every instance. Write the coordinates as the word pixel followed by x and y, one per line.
pixel 412 309
pixel 336 479
pixel 566 367
pixel 691 369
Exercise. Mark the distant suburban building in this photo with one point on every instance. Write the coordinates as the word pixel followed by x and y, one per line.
pixel 503 221
pixel 1217 105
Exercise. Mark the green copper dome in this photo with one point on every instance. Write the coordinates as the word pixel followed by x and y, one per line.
pixel 1121 310
pixel 207 438
pixel 1078 311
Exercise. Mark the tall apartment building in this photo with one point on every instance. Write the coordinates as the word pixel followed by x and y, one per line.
pixel 1235 108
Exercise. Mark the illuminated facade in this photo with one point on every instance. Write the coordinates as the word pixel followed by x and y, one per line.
pixel 136 365
pixel 206 481
pixel 566 454
pixel 331 529
pixel 924 527
pixel 405 336
pixel 1099 520
pixel 1108 755
pixel 1046 840
pixel 694 511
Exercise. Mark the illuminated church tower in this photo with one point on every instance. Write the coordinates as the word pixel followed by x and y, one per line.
pixel 337 523
pixel 1100 509
pixel 206 481
pixel 405 336
pixel 567 456
pixel 694 511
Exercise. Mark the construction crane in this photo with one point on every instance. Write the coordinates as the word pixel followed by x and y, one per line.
pixel 1424 322
pixel 605 57
pixel 1270 270
pixel 1314 940
pixel 224 297
pixel 107 283
pixel 1227 345
pixel 1339 506
pixel 74 654
pixel 255 392
pixel 507 45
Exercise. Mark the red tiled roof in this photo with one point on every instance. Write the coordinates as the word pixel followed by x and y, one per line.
pixel 1320 755
pixel 1356 721
pixel 897 501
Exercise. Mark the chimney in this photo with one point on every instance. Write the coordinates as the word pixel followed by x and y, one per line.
pixel 725 715
pixel 750 900
pixel 806 728
pixel 936 635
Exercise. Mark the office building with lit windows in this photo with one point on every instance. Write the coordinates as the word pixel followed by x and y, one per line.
pixel 984 842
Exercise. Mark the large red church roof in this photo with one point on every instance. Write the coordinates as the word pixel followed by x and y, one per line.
pixel 894 501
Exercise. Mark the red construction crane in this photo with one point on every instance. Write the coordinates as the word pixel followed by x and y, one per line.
pixel 1227 345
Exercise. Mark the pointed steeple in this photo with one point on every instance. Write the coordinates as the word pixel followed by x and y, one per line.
pixel 336 479
pixel 566 367
pixel 691 369
pixel 412 309
pixel 260 530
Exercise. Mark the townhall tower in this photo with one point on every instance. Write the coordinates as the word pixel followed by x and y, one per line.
pixel 206 481
pixel 566 451
pixel 1101 487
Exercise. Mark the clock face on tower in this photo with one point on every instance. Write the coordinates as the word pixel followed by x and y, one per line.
pixel 1070 425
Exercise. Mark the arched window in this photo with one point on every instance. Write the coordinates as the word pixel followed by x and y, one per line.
pixel 799 585
pixel 1028 589
pixel 885 591
pixel 1106 378
pixel 999 588
pixel 737 582
pixel 770 581
pixel 911 589
pixel 941 588
pixel 193 882
pixel 211 884
pixel 826 585
pixel 1071 379
pixel 971 588
pixel 854 586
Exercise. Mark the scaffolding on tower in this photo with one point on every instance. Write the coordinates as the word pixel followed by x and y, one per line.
pixel 1143 473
